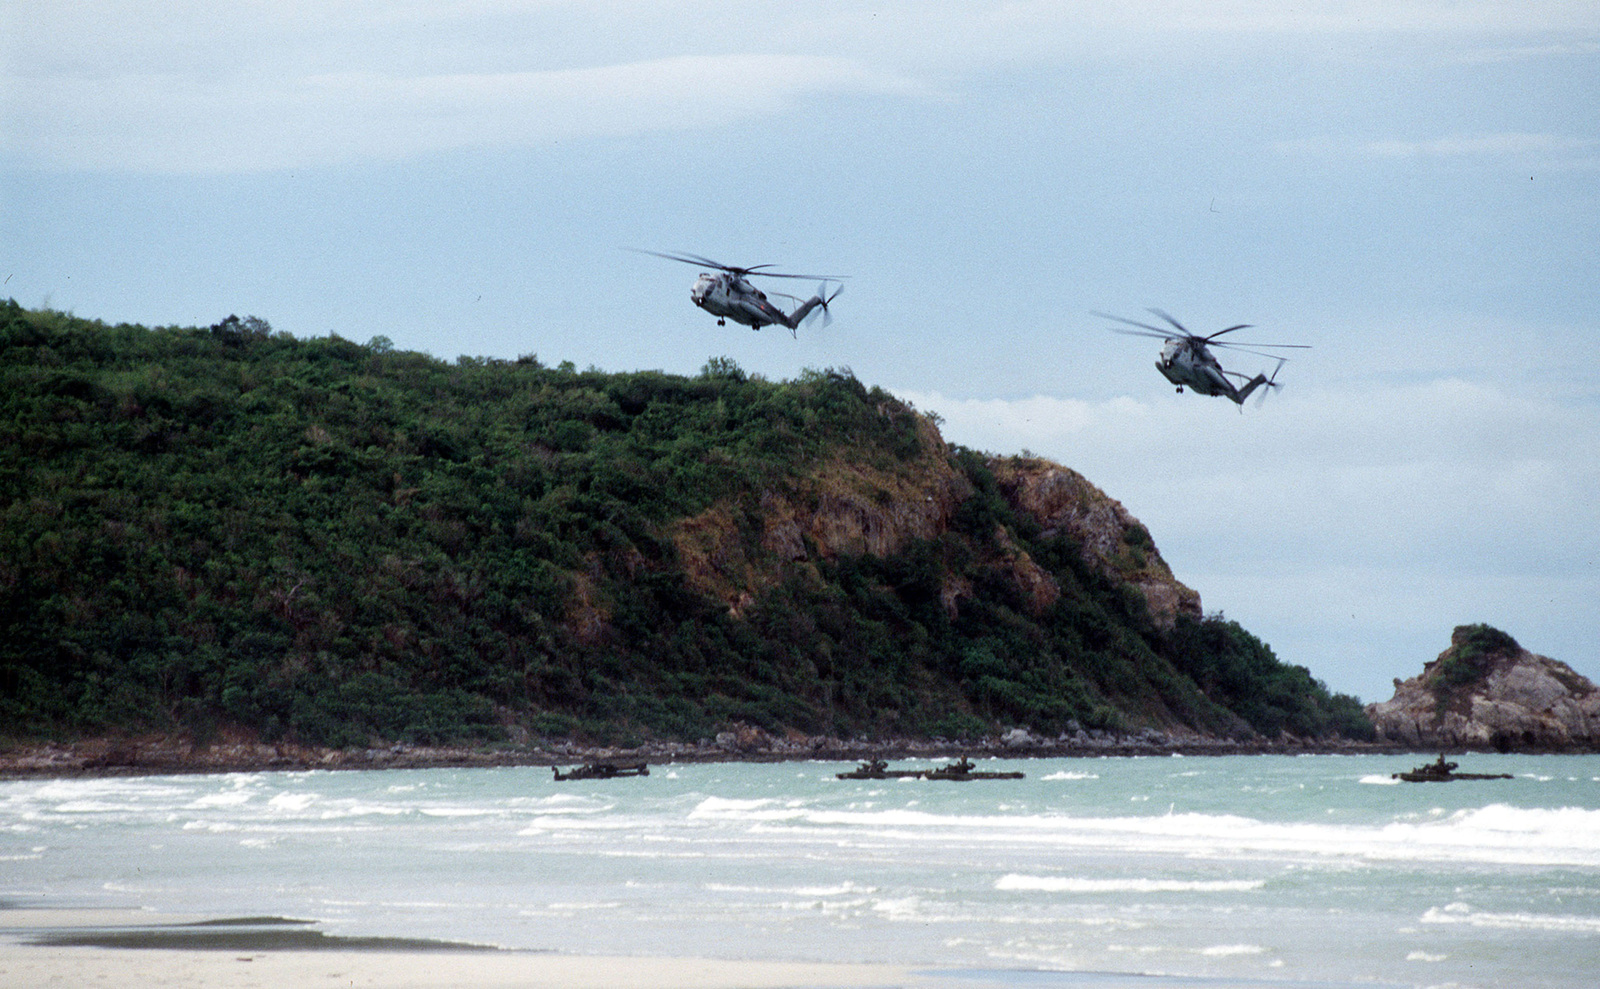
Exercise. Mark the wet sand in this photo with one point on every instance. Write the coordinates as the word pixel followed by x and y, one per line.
pixel 26 966
pixel 134 949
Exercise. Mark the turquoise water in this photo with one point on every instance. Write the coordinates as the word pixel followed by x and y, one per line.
pixel 1256 868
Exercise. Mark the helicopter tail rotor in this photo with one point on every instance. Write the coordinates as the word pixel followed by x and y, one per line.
pixel 822 304
pixel 827 314
pixel 1271 384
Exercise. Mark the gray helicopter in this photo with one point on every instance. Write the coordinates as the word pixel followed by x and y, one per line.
pixel 728 294
pixel 1186 359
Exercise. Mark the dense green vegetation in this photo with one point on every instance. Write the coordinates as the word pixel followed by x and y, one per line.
pixel 338 543
pixel 1466 661
pixel 1240 672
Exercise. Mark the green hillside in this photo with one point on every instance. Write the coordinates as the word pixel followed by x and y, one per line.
pixel 339 543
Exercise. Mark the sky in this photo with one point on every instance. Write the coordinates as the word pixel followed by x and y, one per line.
pixel 1410 187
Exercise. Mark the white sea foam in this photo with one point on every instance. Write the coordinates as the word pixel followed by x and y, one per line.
pixel 1461 913
pixel 1494 834
pixel 94 807
pixel 558 823
pixel 460 811
pixel 841 889
pixel 1074 884
pixel 565 804
pixel 232 798
pixel 292 802
pixel 900 908
pixel 354 808
pixel 1229 868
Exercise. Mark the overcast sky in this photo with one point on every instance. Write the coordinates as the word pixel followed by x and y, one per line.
pixel 1411 187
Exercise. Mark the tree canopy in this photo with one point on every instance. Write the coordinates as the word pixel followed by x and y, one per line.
pixel 339 543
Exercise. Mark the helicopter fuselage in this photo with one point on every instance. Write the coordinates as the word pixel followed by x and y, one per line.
pixel 1189 364
pixel 729 296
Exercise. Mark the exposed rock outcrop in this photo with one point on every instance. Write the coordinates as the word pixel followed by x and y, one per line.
pixel 856 510
pixel 842 508
pixel 1113 541
pixel 851 509
pixel 1487 692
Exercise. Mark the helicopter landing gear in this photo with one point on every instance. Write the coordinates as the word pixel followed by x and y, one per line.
pixel 1180 389
pixel 722 322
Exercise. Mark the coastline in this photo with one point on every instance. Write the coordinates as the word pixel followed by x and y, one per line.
pixel 364 881
pixel 27 967
pixel 51 947
pixel 132 948
pixel 24 966
pixel 154 755
pixel 43 947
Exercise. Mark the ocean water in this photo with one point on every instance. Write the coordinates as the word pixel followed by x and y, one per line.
pixel 1253 869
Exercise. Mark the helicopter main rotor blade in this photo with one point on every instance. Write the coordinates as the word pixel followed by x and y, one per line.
pixel 731 269
pixel 699 261
pixel 1155 334
pixel 1243 345
pixel 1154 331
pixel 1241 326
pixel 1174 322
pixel 704 262
pixel 776 274
pixel 685 258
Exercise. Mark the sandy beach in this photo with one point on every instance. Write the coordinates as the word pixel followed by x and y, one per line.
pixel 123 949
pixel 24 966
pixel 25 962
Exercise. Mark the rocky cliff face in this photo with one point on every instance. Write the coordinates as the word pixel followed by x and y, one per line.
pixel 1485 692
pixel 842 508
pixel 851 509
pixel 1113 541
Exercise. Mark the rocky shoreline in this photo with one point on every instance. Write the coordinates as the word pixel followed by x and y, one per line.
pixel 1487 692
pixel 171 754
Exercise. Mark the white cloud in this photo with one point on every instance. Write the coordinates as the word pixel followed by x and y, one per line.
pixel 1522 147
pixel 256 85
pixel 1441 462
pixel 172 122
pixel 1460 145
pixel 1415 507
pixel 1517 53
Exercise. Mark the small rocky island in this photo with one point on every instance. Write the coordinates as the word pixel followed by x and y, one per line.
pixel 1487 692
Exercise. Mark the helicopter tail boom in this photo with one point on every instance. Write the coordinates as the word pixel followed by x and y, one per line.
pixel 1257 382
pixel 1250 386
pixel 805 310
